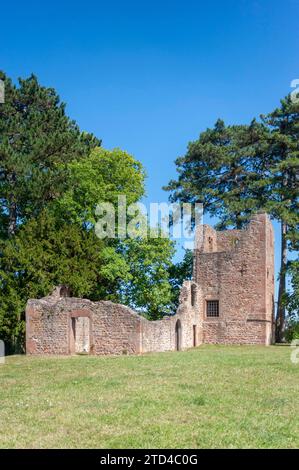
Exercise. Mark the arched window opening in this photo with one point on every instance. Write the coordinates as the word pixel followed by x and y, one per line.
pixel 211 244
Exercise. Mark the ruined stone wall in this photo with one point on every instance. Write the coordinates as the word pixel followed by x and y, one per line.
pixel 67 325
pixel 228 239
pixel 116 329
pixel 234 267
pixel 237 278
pixel 61 326
pixel 47 328
pixel 161 335
pixel 158 335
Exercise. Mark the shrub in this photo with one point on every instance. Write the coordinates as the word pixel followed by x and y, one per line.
pixel 292 330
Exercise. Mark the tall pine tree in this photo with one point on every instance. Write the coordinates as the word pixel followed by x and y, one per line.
pixel 37 141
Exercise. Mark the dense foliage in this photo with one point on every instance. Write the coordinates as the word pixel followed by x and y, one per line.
pixel 52 177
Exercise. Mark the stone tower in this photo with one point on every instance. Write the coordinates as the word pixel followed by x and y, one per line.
pixel 234 279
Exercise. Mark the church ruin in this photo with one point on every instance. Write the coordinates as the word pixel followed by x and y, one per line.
pixel 228 301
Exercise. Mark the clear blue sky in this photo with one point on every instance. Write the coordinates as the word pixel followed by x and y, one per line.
pixel 149 76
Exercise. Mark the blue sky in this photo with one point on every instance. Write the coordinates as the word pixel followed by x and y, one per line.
pixel 150 76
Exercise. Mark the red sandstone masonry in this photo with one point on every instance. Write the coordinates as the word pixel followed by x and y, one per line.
pixel 239 273
pixel 114 328
pixel 235 267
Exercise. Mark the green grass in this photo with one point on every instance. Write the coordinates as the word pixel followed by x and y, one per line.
pixel 209 397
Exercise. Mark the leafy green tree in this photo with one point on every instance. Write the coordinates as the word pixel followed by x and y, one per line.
pixel 102 176
pixel 52 177
pixel 56 242
pixel 147 289
pixel 37 141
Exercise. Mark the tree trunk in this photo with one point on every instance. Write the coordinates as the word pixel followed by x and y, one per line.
pixel 12 208
pixel 280 317
pixel 12 221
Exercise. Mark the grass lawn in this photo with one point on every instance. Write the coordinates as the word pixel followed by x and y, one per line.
pixel 212 396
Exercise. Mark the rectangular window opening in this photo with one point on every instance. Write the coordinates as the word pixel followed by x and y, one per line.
pixel 212 308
